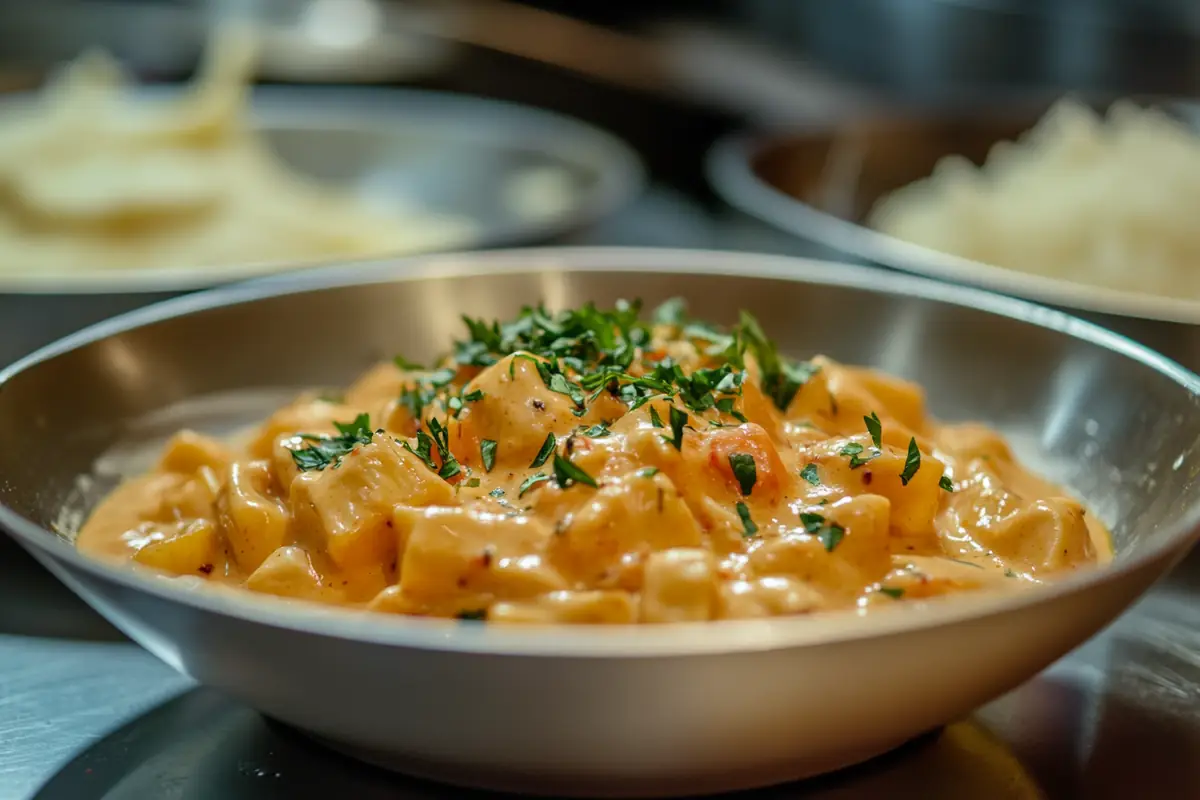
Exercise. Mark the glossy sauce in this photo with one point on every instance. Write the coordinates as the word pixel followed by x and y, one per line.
pixel 833 516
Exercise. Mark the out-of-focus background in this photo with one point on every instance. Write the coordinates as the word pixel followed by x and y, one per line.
pixel 766 125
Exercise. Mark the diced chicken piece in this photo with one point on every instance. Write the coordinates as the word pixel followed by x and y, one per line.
pixel 191 550
pixel 680 585
pixel 844 549
pixel 637 514
pixel 566 607
pixel 289 572
pixel 254 522
pixel 187 452
pixel 453 552
pixel 345 512
pixel 914 504
pixel 771 596
pixel 313 416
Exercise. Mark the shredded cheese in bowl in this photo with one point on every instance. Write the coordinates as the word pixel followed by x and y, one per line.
pixel 95 177
pixel 1093 200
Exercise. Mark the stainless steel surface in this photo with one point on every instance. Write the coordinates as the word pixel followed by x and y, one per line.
pixel 946 52
pixel 521 175
pixel 1118 718
pixel 819 182
pixel 617 711
pixel 345 41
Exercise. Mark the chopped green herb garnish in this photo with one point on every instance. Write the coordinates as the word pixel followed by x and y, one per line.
pixel 474 396
pixel 328 451
pixel 477 614
pixel 487 453
pixel 532 481
pixel 408 366
pixel 912 463
pixel 597 431
pixel 672 312
pixel 441 441
pixel 424 450
pixel 473 483
pixel 567 473
pixel 809 473
pixel 855 450
pixel 875 428
pixel 894 592
pixel 647 472
pixel 497 492
pixel 946 483
pixel 679 419
pixel 544 452
pixel 781 379
pixel 744 470
pixel 749 528
pixel 655 419
pixel 829 533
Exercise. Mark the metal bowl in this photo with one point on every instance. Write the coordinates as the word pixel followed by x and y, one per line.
pixel 520 175
pixel 819 184
pixel 626 711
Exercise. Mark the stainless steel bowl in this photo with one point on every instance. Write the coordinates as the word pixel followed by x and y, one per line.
pixel 624 711
pixel 819 184
pixel 520 175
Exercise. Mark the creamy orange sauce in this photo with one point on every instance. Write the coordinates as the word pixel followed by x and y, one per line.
pixel 745 510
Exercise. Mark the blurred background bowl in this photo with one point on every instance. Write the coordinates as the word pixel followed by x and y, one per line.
pixel 517 175
pixel 819 183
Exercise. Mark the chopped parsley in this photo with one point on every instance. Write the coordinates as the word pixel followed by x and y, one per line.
pixel 946 483
pixel 423 450
pixel 532 481
pixel 473 483
pixel 829 533
pixel 328 451
pixel 781 379
pixel 487 453
pixel 496 492
pixel 597 431
pixel 679 419
pixel 912 462
pixel 672 312
pixel 655 419
pixel 855 450
pixel 544 452
pixel 567 473
pixel 894 592
pixel 744 470
pixel 875 428
pixel 809 473
pixel 408 366
pixel 725 405
pixel 749 528
pixel 441 440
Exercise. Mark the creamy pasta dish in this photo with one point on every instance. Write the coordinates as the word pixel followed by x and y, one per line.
pixel 584 466
pixel 95 177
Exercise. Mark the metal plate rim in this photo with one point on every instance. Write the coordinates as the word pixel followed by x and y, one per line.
pixel 728 168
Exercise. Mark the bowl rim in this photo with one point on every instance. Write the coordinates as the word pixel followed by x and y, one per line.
pixel 639 641
pixel 620 172
pixel 729 169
